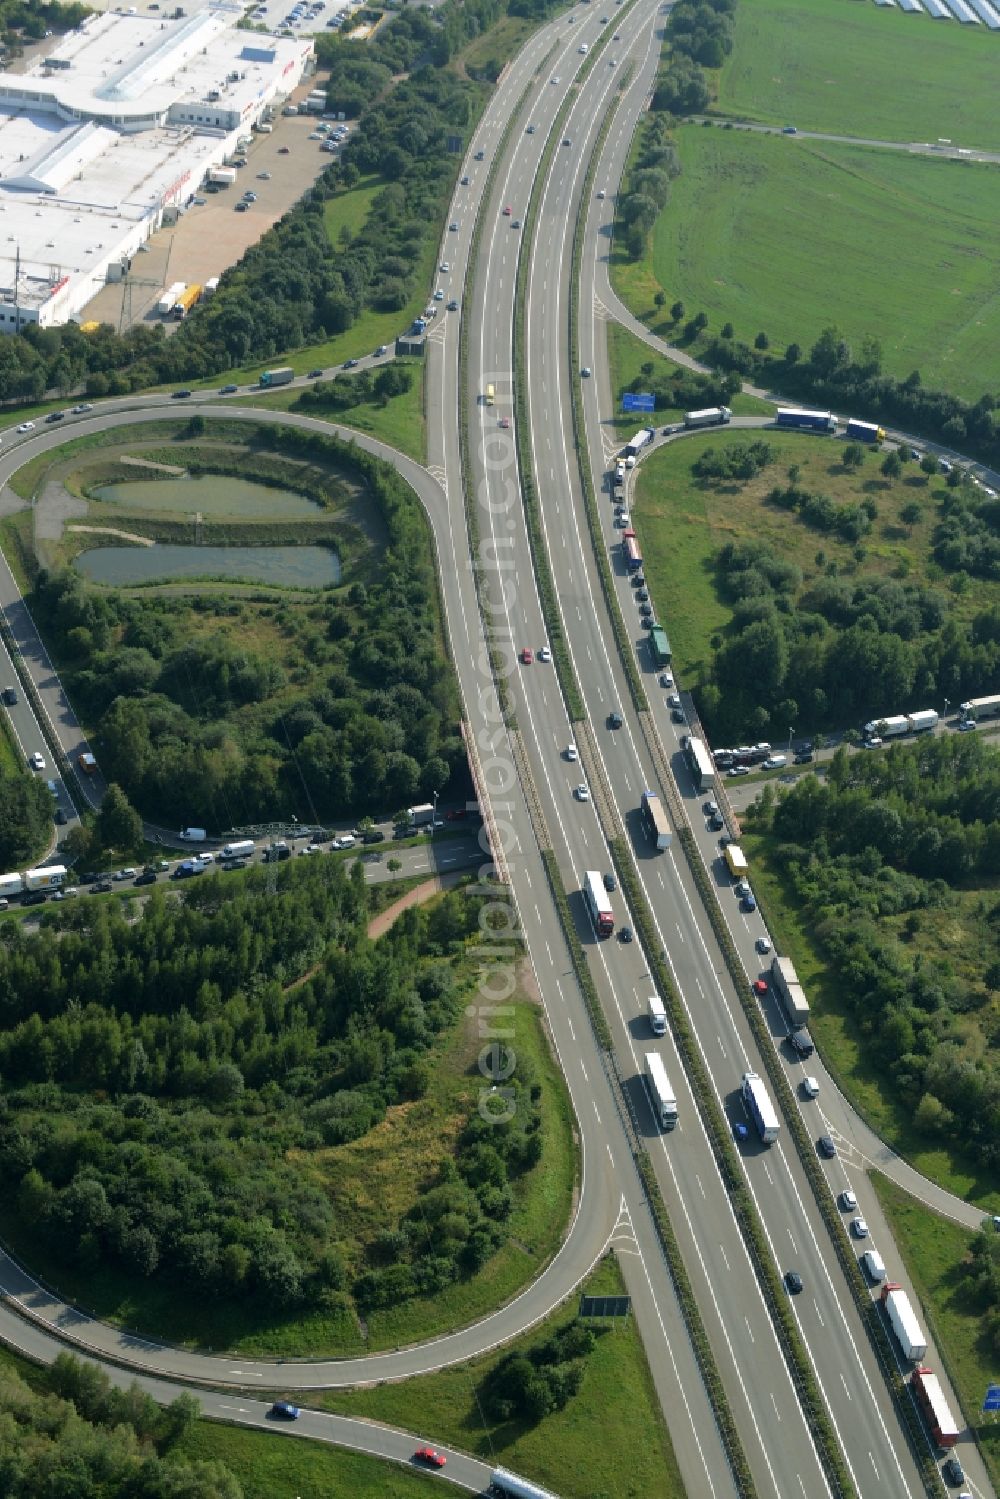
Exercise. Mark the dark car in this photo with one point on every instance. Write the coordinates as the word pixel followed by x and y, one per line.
pixel 740 1133
pixel 804 757
pixel 101 887
pixel 826 1147
pixel 60 817
pixel 643 595
pixel 34 898
pixel 10 696
pixel 717 822
pixel 614 720
pixel 315 374
pixel 284 1410
pixel 228 390
pixel 88 877
pixel 677 714
pixel 953 1471
pixel 148 877
pixel 793 1280
pixel 350 364
pixel 610 883
pixel 373 835
pixel 56 416
pixel 228 865
pixel 625 934
pixel 180 395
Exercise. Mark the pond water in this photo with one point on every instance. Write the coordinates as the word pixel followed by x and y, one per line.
pixel 211 494
pixel 285 567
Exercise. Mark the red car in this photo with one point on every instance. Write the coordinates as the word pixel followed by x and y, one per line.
pixel 526 657
pixel 455 815
pixel 430 1456
pixel 504 423
pixel 507 211
pixel 760 986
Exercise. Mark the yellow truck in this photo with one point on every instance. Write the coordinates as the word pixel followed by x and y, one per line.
pixel 736 860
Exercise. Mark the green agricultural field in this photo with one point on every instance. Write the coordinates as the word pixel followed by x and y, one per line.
pixel 609 1440
pixel 788 236
pixel 933 1250
pixel 682 521
pixel 853 69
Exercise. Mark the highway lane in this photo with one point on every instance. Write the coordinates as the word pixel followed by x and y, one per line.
pixel 835 1311
pixel 546 731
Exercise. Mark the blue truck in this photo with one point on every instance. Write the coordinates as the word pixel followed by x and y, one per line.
pixel 809 421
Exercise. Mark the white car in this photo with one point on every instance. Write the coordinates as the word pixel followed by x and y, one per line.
pixel 310 848
pixel 571 752
pixel 205 858
pixel 445 267
pixel 26 427
pixel 848 1201
pixel 859 1228
pixel 623 520
pixel 545 654
pixel 601 194
pixel 346 840
pixel 37 761
pixel 582 794
pixel 810 1087
pixel 666 679
pixel 556 79
pixel 763 944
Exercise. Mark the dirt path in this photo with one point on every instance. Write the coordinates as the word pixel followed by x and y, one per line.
pixel 163 468
pixel 142 541
pixel 418 896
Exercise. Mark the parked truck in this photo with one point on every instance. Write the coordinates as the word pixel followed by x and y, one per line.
pixel 807 421
pixel 49 877
pixel 222 176
pixel 661 1094
pixel 980 707
pixel 421 816
pixel 736 860
pixel 193 835
pixel 865 431
pixel 276 853
pixel 889 727
pixel 790 991
pixel 934 1407
pixel 709 416
pixel 187 299
pixel 281 376
pixel 165 305
pixel 10 884
pixel 903 1321
pixel 241 849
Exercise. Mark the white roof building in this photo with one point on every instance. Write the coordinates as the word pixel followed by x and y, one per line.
pixel 119 124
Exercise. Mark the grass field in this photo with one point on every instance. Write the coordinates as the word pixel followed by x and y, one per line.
pixel 400 422
pixel 626 357
pixel 682 521
pixel 610 1440
pixel 804 234
pixel 853 69
pixel 932 1250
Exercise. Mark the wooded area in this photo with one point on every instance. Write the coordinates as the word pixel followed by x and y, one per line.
pixel 177 1080
pixel 895 858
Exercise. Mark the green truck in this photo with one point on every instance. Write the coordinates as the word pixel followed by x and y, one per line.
pixel 283 376
pixel 659 645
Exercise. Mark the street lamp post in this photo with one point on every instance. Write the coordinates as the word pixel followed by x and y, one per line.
pixel 791 731
pixel 434 819
pixel 947 705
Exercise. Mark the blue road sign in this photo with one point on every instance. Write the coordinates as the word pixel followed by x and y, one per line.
pixel 992 1401
pixel 638 401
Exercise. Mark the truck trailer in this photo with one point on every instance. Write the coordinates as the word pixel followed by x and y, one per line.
pixel 655 820
pixel 187 299
pixel 284 375
pixel 421 816
pixel 980 707
pixel 865 431
pixel 222 176
pixel 641 440
pixel 10 884
pixel 889 727
pixel 923 720
pixel 903 1320
pixel 710 416
pixel 934 1407
pixel 760 1108
pixel 807 421
pixel 505 1485
pixel 661 1094
pixel 50 877
pixel 790 991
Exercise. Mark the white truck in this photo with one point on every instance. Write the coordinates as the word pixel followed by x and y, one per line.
pixel 904 1323
pixel 661 1094
pixel 641 439
pixel 980 707
pixel 790 991
pixel 50 877
pixel 922 720
pixel 421 816
pixel 167 302
pixel 193 835
pixel 657 1015
pixel 241 849
pixel 222 176
pixel 887 728
pixel 709 416
pixel 10 884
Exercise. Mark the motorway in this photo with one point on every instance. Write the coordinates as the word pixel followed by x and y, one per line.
pixel 612 1206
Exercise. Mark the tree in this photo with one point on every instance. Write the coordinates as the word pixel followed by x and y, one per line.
pixel 180 1417
pixel 891 467
pixel 761 341
pixel 911 512
pixel 726 331
pixel 118 823
pixel 929 464
pixel 660 299
pixel 853 455
pixel 793 354
pixel 677 311
pixel 393 865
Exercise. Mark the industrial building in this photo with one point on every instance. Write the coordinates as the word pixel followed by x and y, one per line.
pixel 108 136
